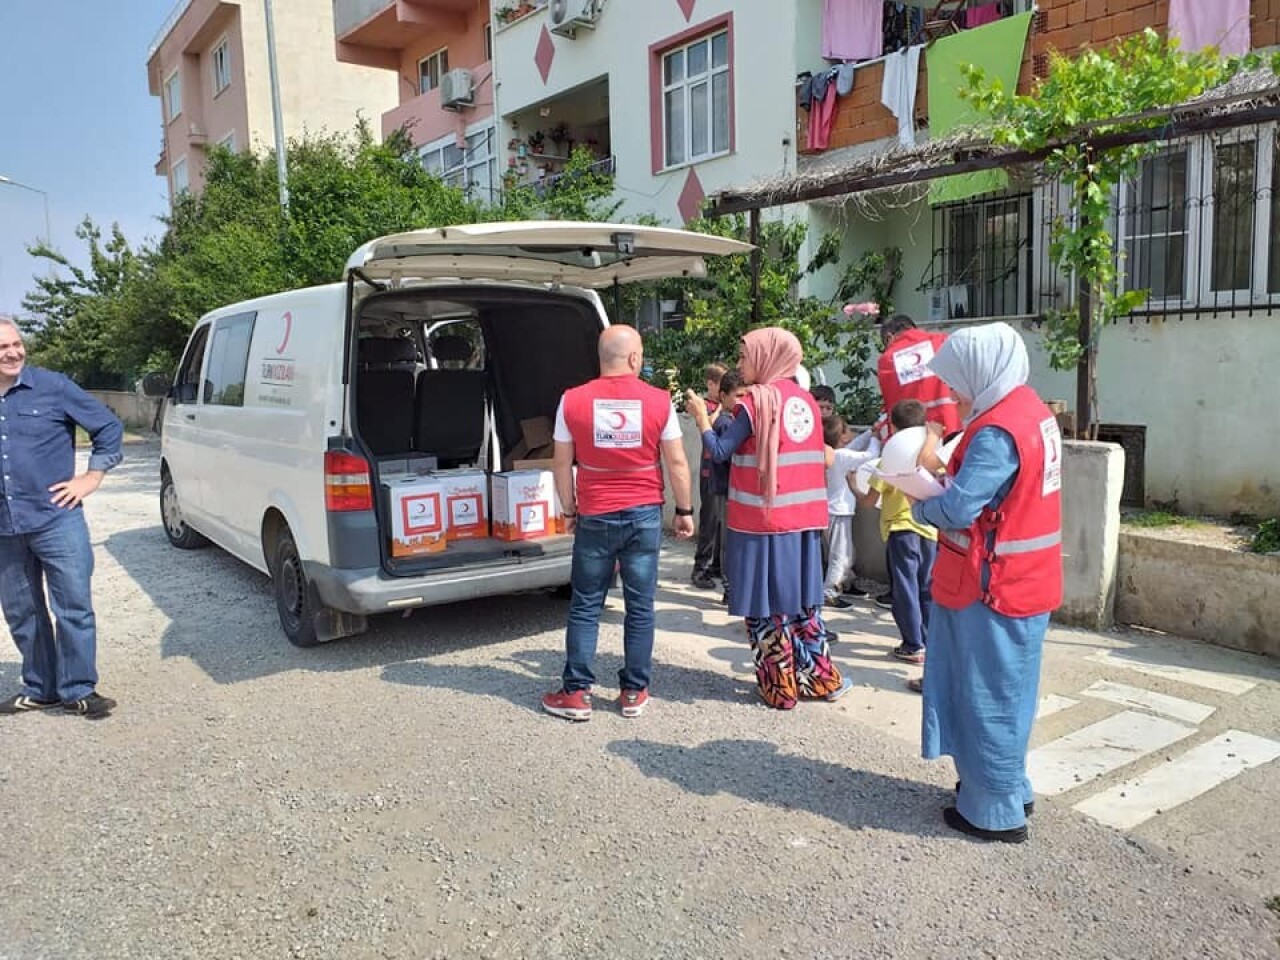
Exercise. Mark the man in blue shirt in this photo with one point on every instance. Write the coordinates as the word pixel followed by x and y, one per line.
pixel 44 540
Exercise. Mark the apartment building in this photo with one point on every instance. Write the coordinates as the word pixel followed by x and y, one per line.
pixel 1180 380
pixel 439 54
pixel 208 67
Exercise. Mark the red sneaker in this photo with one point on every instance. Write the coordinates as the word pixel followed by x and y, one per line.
pixel 633 702
pixel 570 704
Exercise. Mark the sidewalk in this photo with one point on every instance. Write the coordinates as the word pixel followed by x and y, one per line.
pixel 1174 742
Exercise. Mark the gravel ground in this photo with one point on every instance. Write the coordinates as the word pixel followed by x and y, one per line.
pixel 398 795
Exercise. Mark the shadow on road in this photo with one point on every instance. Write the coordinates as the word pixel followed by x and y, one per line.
pixel 757 771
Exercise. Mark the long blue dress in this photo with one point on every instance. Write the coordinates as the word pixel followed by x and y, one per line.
pixel 982 676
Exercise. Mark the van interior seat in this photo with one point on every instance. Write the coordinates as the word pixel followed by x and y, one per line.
pixel 451 405
pixel 385 393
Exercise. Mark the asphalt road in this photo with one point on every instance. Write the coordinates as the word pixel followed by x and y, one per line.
pixel 400 795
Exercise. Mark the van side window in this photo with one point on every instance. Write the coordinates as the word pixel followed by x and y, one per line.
pixel 229 361
pixel 185 387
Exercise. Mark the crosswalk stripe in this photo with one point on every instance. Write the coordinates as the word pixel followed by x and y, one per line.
pixel 1197 771
pixel 1223 683
pixel 1188 711
pixel 1077 758
pixel 1051 704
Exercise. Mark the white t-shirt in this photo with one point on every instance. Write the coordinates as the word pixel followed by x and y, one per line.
pixel 840 499
pixel 562 435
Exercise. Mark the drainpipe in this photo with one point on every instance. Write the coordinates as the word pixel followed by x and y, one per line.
pixel 282 158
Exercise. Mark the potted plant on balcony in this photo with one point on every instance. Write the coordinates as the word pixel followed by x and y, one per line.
pixel 559 136
pixel 536 141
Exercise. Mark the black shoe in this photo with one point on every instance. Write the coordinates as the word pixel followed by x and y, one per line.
pixel 856 592
pixel 837 603
pixel 885 600
pixel 724 599
pixel 704 581
pixel 957 822
pixel 831 636
pixel 1027 808
pixel 24 704
pixel 94 706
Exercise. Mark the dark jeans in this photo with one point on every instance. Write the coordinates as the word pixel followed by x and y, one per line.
pixel 629 539
pixel 58 663
pixel 911 559
pixel 709 556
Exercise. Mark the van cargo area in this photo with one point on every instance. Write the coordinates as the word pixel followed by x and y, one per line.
pixel 455 377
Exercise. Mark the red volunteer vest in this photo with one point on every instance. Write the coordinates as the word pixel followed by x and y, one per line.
pixel 1025 559
pixel 903 375
pixel 616 424
pixel 801 499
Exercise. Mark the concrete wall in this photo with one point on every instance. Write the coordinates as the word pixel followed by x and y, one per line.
pixel 763 81
pixel 134 410
pixel 1209 593
pixel 1092 479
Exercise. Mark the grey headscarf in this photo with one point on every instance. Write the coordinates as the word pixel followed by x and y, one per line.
pixel 985 364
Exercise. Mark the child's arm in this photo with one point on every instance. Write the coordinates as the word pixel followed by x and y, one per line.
pixel 929 452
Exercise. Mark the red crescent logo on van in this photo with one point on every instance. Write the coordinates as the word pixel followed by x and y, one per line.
pixel 288 329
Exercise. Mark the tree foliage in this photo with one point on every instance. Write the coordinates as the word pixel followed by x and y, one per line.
pixel 1102 91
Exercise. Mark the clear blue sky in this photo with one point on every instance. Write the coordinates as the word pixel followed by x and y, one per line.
pixel 76 121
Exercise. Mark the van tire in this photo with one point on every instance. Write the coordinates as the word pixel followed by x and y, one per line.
pixel 296 600
pixel 175 527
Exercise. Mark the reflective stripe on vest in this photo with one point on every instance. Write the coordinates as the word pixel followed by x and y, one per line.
pixel 783 500
pixel 1007 547
pixel 784 460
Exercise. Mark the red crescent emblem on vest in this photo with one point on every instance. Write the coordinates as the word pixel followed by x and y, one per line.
pixel 288 329
pixel 619 420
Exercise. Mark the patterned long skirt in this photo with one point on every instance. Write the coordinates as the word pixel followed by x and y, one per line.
pixel 792 659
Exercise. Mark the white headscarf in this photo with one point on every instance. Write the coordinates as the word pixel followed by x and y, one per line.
pixel 985 364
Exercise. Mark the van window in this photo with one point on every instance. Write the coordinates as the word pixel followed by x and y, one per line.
pixel 228 361
pixel 188 379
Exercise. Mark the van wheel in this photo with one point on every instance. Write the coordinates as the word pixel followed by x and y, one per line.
pixel 175 528
pixel 295 599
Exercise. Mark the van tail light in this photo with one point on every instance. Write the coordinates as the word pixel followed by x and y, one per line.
pixel 346 482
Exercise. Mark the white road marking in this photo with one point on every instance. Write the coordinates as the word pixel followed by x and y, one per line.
pixel 1188 711
pixel 1099 748
pixel 1222 682
pixel 1051 704
pixel 1197 771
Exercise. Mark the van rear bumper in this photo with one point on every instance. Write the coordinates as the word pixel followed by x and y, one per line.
pixel 370 590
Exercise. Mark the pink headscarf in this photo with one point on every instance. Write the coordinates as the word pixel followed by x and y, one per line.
pixel 768 354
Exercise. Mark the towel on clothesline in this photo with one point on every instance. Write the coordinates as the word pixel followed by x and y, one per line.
pixel 851 29
pixel 898 92
pixel 1211 23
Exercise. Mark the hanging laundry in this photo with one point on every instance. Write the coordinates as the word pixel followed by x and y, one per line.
pixel 851 29
pixel 823 115
pixel 977 16
pixel 844 78
pixel 1211 23
pixel 898 92
pixel 896 36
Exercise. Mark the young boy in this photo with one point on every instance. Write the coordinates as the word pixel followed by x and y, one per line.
pixel 841 461
pixel 911 549
pixel 706 557
pixel 825 398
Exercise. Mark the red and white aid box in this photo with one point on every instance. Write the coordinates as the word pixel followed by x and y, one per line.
pixel 525 506
pixel 419 523
pixel 466 502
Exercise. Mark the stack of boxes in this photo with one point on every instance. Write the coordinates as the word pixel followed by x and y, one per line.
pixel 431 508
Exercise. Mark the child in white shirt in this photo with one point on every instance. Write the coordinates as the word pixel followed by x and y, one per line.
pixel 841 461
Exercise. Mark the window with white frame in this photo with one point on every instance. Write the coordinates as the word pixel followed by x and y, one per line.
pixel 1154 227
pixel 221 67
pixel 431 69
pixel 181 184
pixel 229 141
pixel 472 167
pixel 695 100
pixel 173 95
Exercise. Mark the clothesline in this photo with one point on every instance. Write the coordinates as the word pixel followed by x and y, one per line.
pixel 858 63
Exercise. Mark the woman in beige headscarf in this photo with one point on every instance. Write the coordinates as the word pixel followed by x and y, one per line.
pixel 777 510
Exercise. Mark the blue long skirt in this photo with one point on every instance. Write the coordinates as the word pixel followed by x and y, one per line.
pixel 774 574
pixel 981 683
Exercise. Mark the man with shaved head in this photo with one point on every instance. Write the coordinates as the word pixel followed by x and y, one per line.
pixel 620 431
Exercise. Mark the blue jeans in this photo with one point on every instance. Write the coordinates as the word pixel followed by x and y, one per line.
pixel 911 559
pixel 57 664
pixel 628 539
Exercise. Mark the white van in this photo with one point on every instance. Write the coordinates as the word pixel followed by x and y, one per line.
pixel 286 411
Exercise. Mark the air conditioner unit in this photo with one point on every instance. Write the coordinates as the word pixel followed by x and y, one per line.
pixel 566 16
pixel 456 90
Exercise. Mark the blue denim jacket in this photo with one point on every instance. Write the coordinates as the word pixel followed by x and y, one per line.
pixel 38 419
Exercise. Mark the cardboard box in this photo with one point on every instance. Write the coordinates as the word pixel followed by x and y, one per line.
pixel 532 464
pixel 525 505
pixel 421 466
pixel 536 440
pixel 466 502
pixel 419 522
